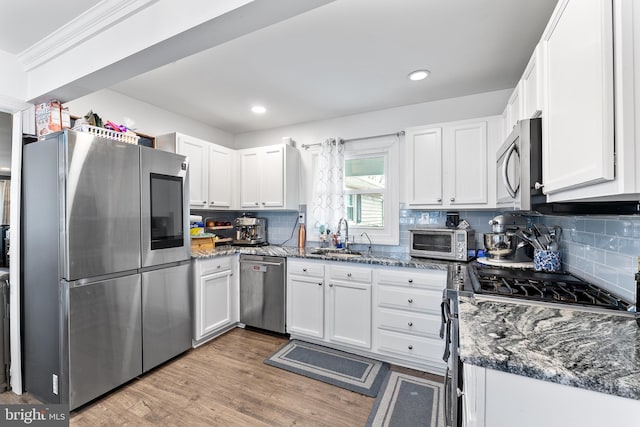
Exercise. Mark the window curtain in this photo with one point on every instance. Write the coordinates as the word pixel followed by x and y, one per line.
pixel 328 186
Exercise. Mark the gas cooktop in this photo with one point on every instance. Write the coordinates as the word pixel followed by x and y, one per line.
pixel 560 287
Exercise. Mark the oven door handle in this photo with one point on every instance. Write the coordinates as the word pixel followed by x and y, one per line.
pixel 448 409
pixel 505 173
pixel 445 311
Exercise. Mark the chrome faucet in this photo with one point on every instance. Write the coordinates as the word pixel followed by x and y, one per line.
pixel 346 235
pixel 369 239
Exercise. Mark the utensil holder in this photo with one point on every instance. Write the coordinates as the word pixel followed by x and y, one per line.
pixel 545 260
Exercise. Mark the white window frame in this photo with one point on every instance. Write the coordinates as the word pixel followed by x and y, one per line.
pixel 387 147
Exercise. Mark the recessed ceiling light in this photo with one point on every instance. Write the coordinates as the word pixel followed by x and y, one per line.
pixel 419 75
pixel 258 109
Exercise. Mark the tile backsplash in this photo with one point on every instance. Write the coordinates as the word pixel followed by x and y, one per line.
pixel 601 249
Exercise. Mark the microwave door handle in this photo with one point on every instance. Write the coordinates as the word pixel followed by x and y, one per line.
pixel 505 176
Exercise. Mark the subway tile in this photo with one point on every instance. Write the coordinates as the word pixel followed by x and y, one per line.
pixel 606 273
pixel 623 228
pixel 629 246
pixel 621 262
pixel 593 254
pixel 595 226
pixel 609 243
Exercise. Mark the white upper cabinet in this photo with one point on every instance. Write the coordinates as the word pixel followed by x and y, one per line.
pixel 531 85
pixel 211 184
pixel 269 177
pixel 221 162
pixel 447 165
pixel 514 110
pixel 578 124
pixel 591 87
pixel 425 163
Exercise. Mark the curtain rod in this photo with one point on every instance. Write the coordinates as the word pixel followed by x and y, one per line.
pixel 398 134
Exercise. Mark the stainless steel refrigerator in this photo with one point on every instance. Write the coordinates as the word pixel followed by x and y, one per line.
pixel 105 250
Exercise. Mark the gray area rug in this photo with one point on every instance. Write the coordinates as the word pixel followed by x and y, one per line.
pixel 408 401
pixel 355 373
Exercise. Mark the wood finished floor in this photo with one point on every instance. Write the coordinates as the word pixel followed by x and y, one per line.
pixel 224 383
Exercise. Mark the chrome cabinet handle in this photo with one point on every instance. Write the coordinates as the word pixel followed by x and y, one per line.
pixel 410 300
pixel 304 270
pixel 439 199
pixel 453 199
pixel 320 284
pixel 257 203
pixel 410 280
pixel 410 347
pixel 410 324
pixel 348 274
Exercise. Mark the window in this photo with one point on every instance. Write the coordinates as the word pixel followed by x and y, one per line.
pixel 371 187
pixel 364 188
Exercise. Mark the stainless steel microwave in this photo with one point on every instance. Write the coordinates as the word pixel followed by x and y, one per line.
pixel 443 243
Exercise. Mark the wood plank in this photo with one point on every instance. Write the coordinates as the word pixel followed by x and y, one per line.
pixel 224 383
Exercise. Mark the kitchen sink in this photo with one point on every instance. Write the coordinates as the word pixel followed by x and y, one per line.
pixel 335 252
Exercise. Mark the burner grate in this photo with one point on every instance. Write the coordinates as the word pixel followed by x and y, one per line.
pixel 549 287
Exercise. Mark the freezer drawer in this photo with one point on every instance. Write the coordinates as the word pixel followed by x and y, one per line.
pixel 104 333
pixel 262 292
pixel 166 314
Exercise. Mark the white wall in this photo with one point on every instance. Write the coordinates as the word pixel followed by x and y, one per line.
pixel 149 119
pixel 13 82
pixel 383 121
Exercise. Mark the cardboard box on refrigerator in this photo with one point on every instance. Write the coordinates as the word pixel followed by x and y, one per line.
pixel 48 118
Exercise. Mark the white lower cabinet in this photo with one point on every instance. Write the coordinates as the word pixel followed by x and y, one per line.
pixel 305 305
pixel 391 314
pixel 330 302
pixel 349 305
pixel 499 399
pixel 216 297
pixel 407 316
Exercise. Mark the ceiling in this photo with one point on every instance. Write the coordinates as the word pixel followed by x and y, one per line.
pixel 347 57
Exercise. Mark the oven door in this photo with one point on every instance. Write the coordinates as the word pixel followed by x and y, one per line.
pixel 165 207
pixel 453 380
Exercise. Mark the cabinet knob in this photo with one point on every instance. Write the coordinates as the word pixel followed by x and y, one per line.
pixel 439 199
pixel 410 323
pixel 204 202
pixel 453 199
pixel 257 203
pixel 348 274
pixel 538 186
pixel 218 266
pixel 410 300
pixel 331 285
pixel 304 270
pixel 320 284
pixel 410 280
pixel 410 347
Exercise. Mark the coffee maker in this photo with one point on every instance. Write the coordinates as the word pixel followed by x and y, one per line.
pixel 250 231
pixel 504 245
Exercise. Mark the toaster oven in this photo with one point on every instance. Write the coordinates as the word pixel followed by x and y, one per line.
pixel 442 243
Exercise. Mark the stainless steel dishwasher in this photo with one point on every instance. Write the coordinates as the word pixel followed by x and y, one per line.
pixel 262 292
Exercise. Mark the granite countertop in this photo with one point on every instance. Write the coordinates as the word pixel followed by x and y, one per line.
pixel 594 351
pixel 289 252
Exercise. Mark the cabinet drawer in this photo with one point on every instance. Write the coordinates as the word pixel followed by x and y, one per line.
pixel 434 279
pixel 214 265
pixel 409 322
pixel 424 300
pixel 350 274
pixel 305 268
pixel 410 346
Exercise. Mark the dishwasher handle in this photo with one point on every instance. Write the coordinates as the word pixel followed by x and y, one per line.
pixel 277 264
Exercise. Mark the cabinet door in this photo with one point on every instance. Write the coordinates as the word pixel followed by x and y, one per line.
pixel 305 306
pixel 425 166
pixel 249 179
pixel 578 129
pixel 272 177
pixel 532 85
pixel 198 153
pixel 467 178
pixel 215 303
pixel 220 179
pixel 349 313
pixel 514 106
